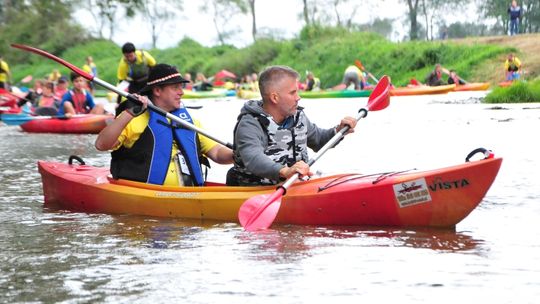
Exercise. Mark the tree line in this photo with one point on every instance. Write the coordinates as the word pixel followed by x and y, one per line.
pixel 55 26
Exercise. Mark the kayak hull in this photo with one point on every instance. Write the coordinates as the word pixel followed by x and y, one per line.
pixel 216 93
pixel 473 86
pixel 435 198
pixel 421 90
pixel 79 124
pixel 248 94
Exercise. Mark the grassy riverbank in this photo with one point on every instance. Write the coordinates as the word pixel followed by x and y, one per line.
pixel 326 52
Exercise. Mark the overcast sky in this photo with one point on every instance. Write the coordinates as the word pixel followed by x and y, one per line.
pixel 281 16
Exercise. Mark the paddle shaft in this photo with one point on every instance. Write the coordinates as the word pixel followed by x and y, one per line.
pixel 120 92
pixel 361 66
pixel 330 144
pixel 447 72
pixel 160 111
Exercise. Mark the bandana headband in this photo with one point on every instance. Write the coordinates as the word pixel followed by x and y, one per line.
pixel 164 78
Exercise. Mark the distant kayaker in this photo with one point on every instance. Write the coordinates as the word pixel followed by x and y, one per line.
pixel 78 100
pixel 512 67
pixel 353 75
pixel 5 74
pixel 272 135
pixel 312 83
pixel 54 76
pixel 454 78
pixel 90 68
pixel 147 147
pixel 435 77
pixel 47 103
pixel 61 87
pixel 202 83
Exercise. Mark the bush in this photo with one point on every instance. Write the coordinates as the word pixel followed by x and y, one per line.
pixel 519 92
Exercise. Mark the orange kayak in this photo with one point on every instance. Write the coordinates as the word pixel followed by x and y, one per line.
pixel 435 198
pixel 506 83
pixel 421 90
pixel 78 124
pixel 473 86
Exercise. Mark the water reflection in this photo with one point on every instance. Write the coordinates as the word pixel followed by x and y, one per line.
pixel 299 241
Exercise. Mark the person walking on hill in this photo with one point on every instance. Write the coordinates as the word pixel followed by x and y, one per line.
pixel 147 147
pixel 5 74
pixel 272 135
pixel 514 11
pixel 512 67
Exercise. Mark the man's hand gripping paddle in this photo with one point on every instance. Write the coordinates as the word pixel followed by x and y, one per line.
pixel 259 212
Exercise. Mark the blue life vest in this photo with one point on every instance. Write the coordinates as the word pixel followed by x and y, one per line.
pixel 150 156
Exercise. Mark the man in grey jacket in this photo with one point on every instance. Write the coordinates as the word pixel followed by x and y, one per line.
pixel 272 135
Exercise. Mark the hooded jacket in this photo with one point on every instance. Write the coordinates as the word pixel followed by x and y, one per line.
pixel 262 147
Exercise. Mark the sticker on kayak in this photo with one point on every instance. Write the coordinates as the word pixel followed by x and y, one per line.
pixel 412 193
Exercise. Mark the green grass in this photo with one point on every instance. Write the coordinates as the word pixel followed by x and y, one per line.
pixel 325 51
pixel 519 92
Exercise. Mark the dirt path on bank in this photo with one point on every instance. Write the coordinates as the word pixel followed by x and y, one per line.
pixel 528 51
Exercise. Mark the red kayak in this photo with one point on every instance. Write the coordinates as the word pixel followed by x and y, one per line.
pixel 435 198
pixel 78 124
pixel 8 103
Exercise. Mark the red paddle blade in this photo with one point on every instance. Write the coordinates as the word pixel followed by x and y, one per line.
pixel 51 56
pixel 380 97
pixel 259 212
pixel 27 79
pixel 359 64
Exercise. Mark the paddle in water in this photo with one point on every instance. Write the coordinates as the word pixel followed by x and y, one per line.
pixel 112 88
pixel 259 212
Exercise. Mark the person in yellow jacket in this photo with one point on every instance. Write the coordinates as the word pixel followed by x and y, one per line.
pixel 353 75
pixel 512 67
pixel 134 67
pixel 54 76
pixel 5 74
pixel 90 68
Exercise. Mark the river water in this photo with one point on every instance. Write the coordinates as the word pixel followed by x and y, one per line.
pixel 493 256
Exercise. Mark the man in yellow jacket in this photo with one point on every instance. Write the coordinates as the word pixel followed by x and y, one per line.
pixel 134 67
pixel 5 74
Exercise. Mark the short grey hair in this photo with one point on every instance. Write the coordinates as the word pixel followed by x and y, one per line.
pixel 273 74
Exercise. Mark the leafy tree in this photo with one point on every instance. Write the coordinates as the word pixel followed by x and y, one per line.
pixel 413 14
pixel 436 10
pixel 382 27
pixel 41 23
pixel 253 19
pixel 222 11
pixel 107 13
pixel 330 12
pixel 157 13
pixel 305 13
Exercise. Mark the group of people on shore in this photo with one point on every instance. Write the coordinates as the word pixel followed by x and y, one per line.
pixel 512 71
